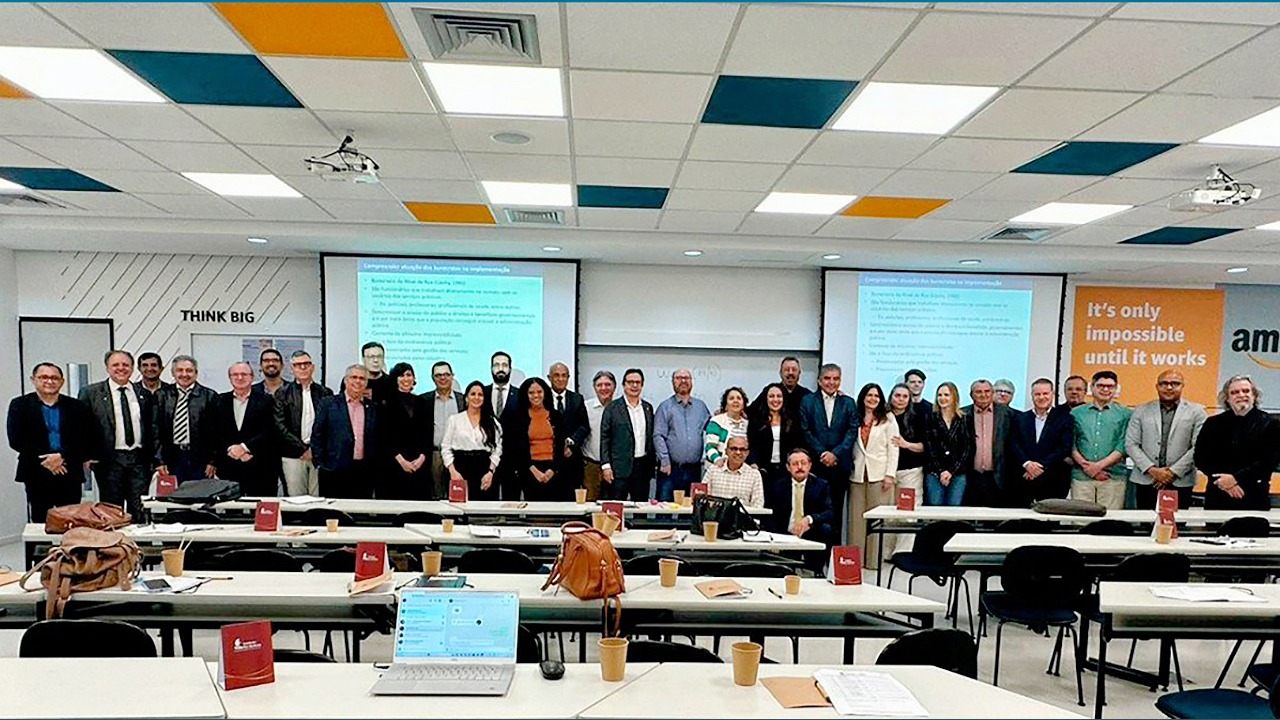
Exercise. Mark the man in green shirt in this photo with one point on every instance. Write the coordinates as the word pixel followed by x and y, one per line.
pixel 1100 436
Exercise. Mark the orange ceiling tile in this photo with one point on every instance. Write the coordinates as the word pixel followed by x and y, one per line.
pixel 451 213
pixel 11 91
pixel 348 30
pixel 894 207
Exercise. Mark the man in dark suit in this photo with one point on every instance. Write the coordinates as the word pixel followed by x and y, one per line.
pixel 815 518
pixel 125 448
pixel 445 401
pixel 296 406
pixel 1040 443
pixel 180 409
pixel 829 421
pixel 53 436
pixel 987 424
pixel 573 413
pixel 793 393
pixel 240 435
pixel 502 398
pixel 344 439
pixel 150 366
pixel 626 442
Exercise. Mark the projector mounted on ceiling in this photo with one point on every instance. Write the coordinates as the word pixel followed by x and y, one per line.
pixel 1219 191
pixel 344 164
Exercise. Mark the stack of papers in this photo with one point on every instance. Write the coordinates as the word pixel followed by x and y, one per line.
pixel 494 531
pixel 160 529
pixel 765 536
pixel 304 500
pixel 1206 593
pixel 871 694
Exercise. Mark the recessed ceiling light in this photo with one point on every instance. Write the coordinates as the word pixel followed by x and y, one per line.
pixel 497 89
pixel 693 253
pixel 1269 226
pixel 526 193
pixel 1261 129
pixel 73 74
pixel 971 261
pixel 258 240
pixel 243 184
pixel 803 203
pixel 10 187
pixel 551 248
pixel 912 108
pixel 1237 270
pixel 831 256
pixel 511 138
pixel 1060 213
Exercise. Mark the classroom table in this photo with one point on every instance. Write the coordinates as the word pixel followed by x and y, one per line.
pixel 519 536
pixel 1002 543
pixel 37 688
pixel 680 691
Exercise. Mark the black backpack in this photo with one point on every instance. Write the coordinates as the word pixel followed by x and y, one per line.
pixel 205 492
pixel 729 512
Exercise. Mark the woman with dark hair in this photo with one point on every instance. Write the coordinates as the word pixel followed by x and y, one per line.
pixel 534 444
pixel 875 464
pixel 731 421
pixel 772 434
pixel 472 445
pixel 406 443
pixel 912 426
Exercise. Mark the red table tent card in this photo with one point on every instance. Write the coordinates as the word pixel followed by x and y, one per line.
pixel 906 498
pixel 696 489
pixel 266 518
pixel 1167 509
pixel 373 567
pixel 846 565
pixel 165 485
pixel 457 490
pixel 245 656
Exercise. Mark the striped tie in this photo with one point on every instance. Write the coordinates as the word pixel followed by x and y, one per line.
pixel 182 419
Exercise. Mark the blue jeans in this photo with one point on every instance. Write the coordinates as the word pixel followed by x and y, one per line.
pixel 935 493
pixel 682 475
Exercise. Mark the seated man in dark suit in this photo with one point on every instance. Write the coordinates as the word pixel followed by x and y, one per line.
pixel 1040 443
pixel 53 435
pixel 241 435
pixel 814 518
pixel 344 439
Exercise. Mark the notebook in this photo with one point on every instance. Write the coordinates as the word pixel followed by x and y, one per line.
pixel 452 642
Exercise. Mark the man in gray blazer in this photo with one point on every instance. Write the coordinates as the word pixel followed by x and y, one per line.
pixel 125 419
pixel 626 442
pixel 1161 440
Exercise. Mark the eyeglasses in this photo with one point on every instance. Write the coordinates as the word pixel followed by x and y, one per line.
pixel 737 449
pixel 442 374
pixel 304 363
pixel 1104 386
pixel 632 382
pixel 1169 383
pixel 49 378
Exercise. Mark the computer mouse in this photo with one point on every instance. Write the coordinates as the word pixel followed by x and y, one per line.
pixel 551 669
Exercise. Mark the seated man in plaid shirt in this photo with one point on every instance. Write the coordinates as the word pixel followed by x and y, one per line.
pixel 736 478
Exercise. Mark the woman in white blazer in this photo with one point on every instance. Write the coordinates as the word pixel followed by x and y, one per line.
pixel 875 464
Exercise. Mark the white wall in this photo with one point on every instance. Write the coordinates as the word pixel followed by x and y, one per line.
pixel 13 499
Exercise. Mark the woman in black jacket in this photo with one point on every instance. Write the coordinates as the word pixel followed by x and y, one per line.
pixel 406 419
pixel 772 434
pixel 946 447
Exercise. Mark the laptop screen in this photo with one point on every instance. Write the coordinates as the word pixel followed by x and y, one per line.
pixel 460 625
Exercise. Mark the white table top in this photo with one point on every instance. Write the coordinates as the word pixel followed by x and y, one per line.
pixel 1102 544
pixel 244 533
pixel 107 688
pixel 635 539
pixel 229 589
pixel 491 508
pixel 1134 600
pixel 341 690
pixel 929 513
pixel 712 694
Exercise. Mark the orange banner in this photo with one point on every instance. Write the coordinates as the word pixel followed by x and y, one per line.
pixel 1141 332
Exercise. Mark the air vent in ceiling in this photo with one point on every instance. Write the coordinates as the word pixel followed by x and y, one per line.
pixel 479 37
pixel 23 200
pixel 1022 234
pixel 534 217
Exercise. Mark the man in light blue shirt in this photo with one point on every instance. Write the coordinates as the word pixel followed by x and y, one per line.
pixel 677 436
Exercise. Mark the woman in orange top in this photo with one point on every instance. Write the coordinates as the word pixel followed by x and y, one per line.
pixel 534 444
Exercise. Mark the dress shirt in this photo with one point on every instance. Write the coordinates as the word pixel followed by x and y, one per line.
pixel 308 414
pixel 638 426
pixel 829 404
pixel 984 429
pixel 744 483
pixel 595 411
pixel 53 423
pixel 775 455
pixel 445 408
pixel 1040 422
pixel 1166 422
pixel 677 430
pixel 238 407
pixel 1100 431
pixel 461 436
pixel 355 410
pixel 135 411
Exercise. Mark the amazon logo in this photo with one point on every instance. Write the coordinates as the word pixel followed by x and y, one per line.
pixel 1256 342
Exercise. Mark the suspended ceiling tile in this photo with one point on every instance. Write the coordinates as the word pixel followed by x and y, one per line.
pixel 358 85
pixel 1045 114
pixel 348 30
pixel 648 97
pixel 130 121
pixel 841 43
pixel 748 144
pixel 191 27
pixel 704 175
pixel 686 37
pixel 630 139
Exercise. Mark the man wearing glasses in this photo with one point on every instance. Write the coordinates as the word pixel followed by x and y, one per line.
pixel 1238 449
pixel 736 478
pixel 52 434
pixel 1161 439
pixel 296 405
pixel 1100 429
pixel 445 401
pixel 627 453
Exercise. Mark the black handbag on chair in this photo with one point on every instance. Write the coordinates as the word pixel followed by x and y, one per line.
pixel 729 512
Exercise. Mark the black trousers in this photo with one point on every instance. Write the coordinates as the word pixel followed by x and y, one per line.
pixel 557 490
pixel 184 464
pixel 472 465
pixel 123 478
pixel 51 492
pixel 353 481
pixel 1145 496
pixel 632 487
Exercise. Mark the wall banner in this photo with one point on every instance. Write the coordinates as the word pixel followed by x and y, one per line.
pixel 1251 339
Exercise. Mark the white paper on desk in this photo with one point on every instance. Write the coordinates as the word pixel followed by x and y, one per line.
pixel 765 536
pixel 159 529
pixel 874 694
pixel 175 585
pixel 485 531
pixel 304 500
pixel 1206 593
pixel 510 533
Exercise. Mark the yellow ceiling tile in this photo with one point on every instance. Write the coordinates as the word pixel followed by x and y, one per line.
pixel 451 213
pixel 894 207
pixel 347 30
pixel 11 91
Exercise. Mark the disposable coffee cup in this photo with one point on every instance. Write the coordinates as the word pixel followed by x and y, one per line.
pixel 793 584
pixel 710 528
pixel 678 496
pixel 1164 534
pixel 331 525
pixel 610 524
pixel 431 563
pixel 687 502
pixel 746 663
pixel 173 560
pixel 447 525
pixel 613 659
pixel 669 568
pixel 597 520
pixel 580 496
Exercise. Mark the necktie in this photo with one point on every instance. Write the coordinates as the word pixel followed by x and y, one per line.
pixel 501 402
pixel 127 415
pixel 560 404
pixel 797 502
pixel 182 419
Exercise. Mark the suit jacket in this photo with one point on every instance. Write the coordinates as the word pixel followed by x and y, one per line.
pixel 790 400
pixel 617 438
pixel 257 432
pixel 576 425
pixel 459 400
pixel 139 388
pixel 817 504
pixel 101 406
pixel 407 430
pixel 1001 424
pixel 509 405
pixel 760 438
pixel 289 416
pixel 198 403
pixel 1142 441
pixel 261 387
pixel 332 440
pixel 878 457
pixel 29 437
pixel 836 437
pixel 1052 450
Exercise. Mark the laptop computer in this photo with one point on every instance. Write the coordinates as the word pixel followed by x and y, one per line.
pixel 452 642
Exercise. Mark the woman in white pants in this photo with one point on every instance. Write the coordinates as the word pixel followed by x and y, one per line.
pixel 875 465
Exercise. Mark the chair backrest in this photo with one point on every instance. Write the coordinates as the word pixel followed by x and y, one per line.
pixel 1249 526
pixel 421 517
pixel 85 638
pixel 1044 574
pixel 496 560
pixel 339 560
pixel 191 516
pixel 647 564
pixel 1153 567
pixel 758 569
pixel 316 517
pixel 290 655
pixel 1026 526
pixel 528 646
pixel 934 536
pixel 639 651
pixel 260 559
pixel 946 648
pixel 1108 526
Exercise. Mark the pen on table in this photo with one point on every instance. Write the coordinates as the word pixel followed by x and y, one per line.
pixel 776 594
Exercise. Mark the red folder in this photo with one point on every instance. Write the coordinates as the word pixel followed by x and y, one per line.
pixel 244 657
pixel 846 565
pixel 266 518
pixel 373 567
pixel 696 489
pixel 165 485
pixel 906 498
pixel 457 490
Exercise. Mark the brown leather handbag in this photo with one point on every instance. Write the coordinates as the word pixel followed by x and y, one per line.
pixel 99 516
pixel 86 560
pixel 588 567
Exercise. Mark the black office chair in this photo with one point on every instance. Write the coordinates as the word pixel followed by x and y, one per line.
pixel 1218 704
pixel 1248 526
pixel 259 560
pixel 191 516
pixel 317 517
pixel 1109 526
pixel 338 560
pixel 290 655
pixel 496 560
pixel 1043 585
pixel 946 648
pixel 528 646
pixel 647 564
pixel 85 639
pixel 927 559
pixel 639 651
pixel 417 517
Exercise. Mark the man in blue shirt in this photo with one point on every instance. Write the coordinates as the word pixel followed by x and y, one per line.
pixel 677 436
pixel 53 436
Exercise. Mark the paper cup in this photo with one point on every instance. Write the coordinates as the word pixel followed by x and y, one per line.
pixel 173 559
pixel 431 563
pixel 447 525
pixel 746 663
pixel 580 496
pixel 1164 534
pixel 597 520
pixel 669 568
pixel 678 497
pixel 687 502
pixel 710 529
pixel 331 525
pixel 793 584
pixel 613 658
